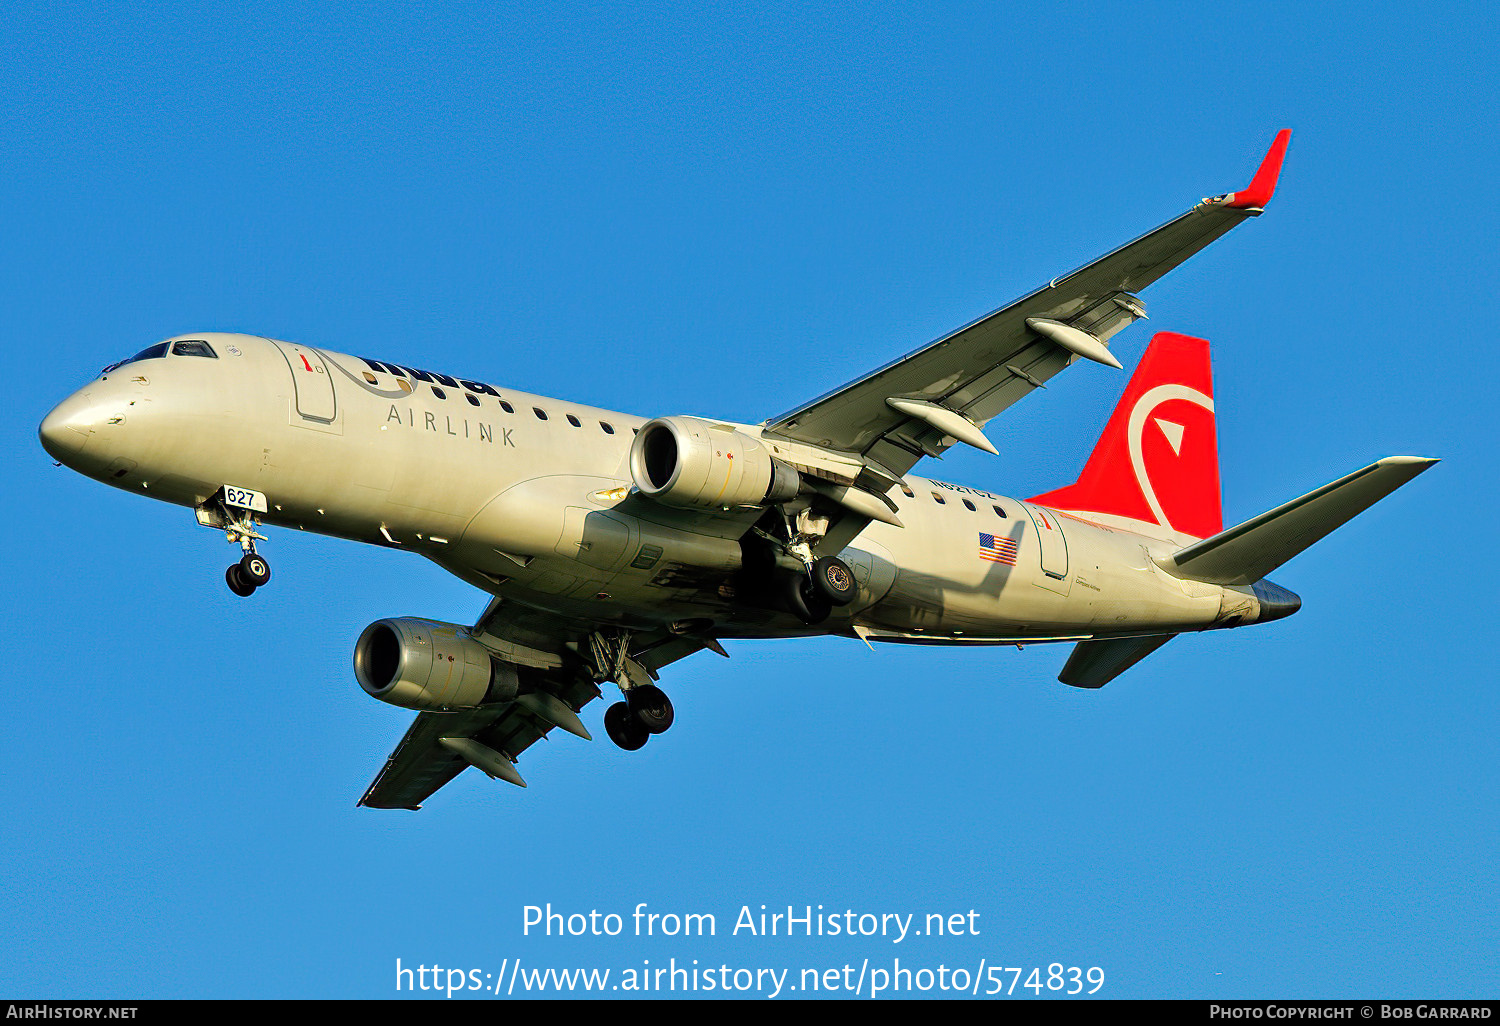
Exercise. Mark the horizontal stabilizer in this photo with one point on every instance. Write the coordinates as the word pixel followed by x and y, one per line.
pixel 1247 553
pixel 1094 664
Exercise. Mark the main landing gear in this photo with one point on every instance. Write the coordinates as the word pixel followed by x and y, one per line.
pixel 646 709
pixel 825 581
pixel 811 596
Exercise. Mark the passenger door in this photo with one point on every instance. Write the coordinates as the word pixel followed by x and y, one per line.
pixel 312 384
pixel 1053 546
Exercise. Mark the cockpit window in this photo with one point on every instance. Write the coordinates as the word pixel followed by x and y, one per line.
pixel 193 347
pixel 149 353
pixel 155 352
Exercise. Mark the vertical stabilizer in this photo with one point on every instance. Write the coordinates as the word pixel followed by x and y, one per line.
pixel 1158 459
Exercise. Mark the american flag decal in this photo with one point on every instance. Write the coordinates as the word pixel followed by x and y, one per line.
pixel 997 550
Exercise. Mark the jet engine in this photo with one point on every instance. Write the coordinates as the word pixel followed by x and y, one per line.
pixel 429 665
pixel 694 464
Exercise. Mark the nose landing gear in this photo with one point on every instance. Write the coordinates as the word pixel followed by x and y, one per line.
pixel 252 571
pixel 249 573
pixel 233 511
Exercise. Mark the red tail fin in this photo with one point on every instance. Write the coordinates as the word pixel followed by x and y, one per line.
pixel 1158 459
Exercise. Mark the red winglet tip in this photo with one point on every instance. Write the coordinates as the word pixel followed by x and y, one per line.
pixel 1263 186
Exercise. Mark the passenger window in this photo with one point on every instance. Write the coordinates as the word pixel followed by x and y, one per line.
pixel 608 430
pixel 507 407
pixel 970 506
pixel 574 421
pixel 540 413
pixel 439 392
pixel 998 512
pixel 473 401
pixel 936 497
pixel 908 492
pixel 193 347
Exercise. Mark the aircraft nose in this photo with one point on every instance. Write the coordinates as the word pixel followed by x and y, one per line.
pixel 67 429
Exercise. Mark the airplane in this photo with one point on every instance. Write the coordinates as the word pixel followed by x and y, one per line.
pixel 613 545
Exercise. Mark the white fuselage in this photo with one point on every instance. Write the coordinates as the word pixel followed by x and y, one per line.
pixel 531 497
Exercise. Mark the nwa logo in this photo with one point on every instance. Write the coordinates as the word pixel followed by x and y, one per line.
pixel 1158 460
pixel 394 381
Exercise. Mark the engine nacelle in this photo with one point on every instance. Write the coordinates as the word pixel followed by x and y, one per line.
pixel 695 464
pixel 430 666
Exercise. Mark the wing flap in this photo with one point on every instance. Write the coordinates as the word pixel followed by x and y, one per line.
pixel 420 765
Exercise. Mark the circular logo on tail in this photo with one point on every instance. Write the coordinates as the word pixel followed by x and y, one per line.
pixel 1140 413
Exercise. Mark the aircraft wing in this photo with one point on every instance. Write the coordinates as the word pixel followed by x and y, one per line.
pixel 892 417
pixel 420 764
pixel 440 745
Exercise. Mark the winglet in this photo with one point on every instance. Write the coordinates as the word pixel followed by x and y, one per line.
pixel 1263 186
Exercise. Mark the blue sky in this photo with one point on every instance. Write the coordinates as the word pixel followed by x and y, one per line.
pixel 705 209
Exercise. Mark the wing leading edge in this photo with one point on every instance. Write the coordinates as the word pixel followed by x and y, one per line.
pixel 885 418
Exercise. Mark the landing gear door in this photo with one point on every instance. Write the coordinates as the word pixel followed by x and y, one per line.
pixel 313 398
pixel 594 538
pixel 874 569
pixel 1053 546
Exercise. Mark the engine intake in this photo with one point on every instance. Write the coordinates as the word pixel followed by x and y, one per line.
pixel 695 464
pixel 429 665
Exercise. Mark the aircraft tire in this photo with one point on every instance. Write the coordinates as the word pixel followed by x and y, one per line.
pixel 805 602
pixel 254 570
pixel 624 729
pixel 651 708
pixel 237 582
pixel 832 577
